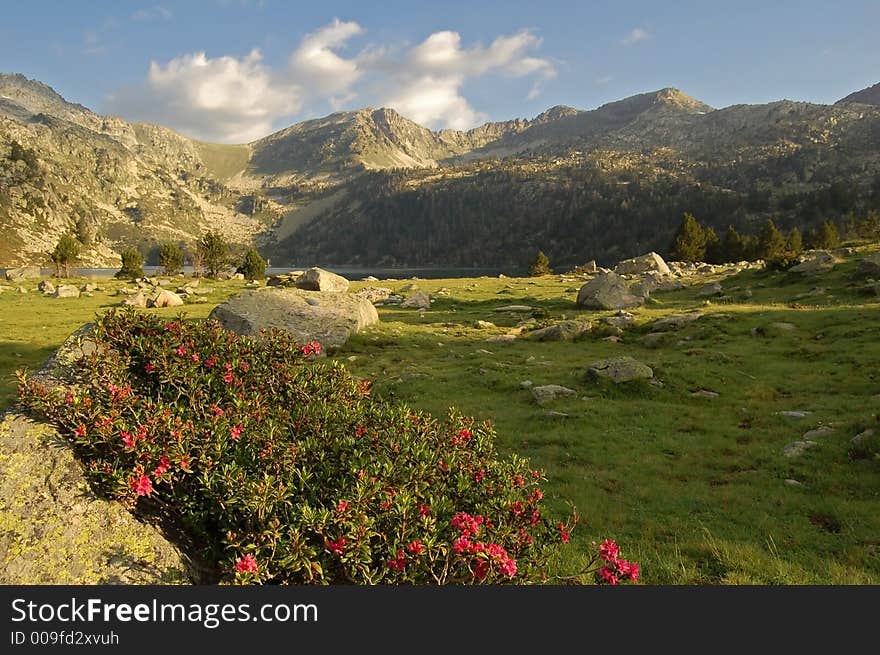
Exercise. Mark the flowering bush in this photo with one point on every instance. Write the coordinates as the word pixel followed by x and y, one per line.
pixel 285 468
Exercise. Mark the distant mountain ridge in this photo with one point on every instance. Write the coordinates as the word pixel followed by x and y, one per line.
pixel 360 174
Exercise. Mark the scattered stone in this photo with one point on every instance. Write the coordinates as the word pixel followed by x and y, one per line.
pixel 330 323
pixel 869 266
pixel 607 291
pixel 642 264
pixel 66 291
pixel 612 339
pixel 419 299
pixel 317 279
pixel 526 384
pixel 166 298
pixel 136 300
pixel 815 262
pixel 371 278
pixel 88 288
pixel 563 331
pixel 655 339
pixel 235 276
pixel 22 273
pixel 704 393
pixel 785 327
pixel 550 392
pixel 713 289
pixel 621 320
pixel 797 448
pixel 501 338
pixel 620 369
pixel 862 437
pixel 514 308
pixel 46 287
pixel 794 483
pixel 406 288
pixel 822 431
pixel 794 413
pixel 374 294
pixel 675 321
pixel 21 290
pixel 484 325
pixel 552 414
pixel 314 302
pixel 198 299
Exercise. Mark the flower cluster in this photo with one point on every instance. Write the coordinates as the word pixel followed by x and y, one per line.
pixel 616 569
pixel 311 348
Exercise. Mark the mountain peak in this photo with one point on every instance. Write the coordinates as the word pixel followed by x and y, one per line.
pixel 868 96
pixel 555 113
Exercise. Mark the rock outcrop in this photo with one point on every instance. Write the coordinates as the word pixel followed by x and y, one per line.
pixel 317 279
pixel 327 317
pixel 620 369
pixel 642 264
pixel 607 291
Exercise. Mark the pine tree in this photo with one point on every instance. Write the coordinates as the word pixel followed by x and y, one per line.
pixel 65 253
pixel 132 264
pixel 689 243
pixel 771 243
pixel 825 237
pixel 253 266
pixel 714 252
pixel 540 265
pixel 734 246
pixel 213 252
pixel 171 258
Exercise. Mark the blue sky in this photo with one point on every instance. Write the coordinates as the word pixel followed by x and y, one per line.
pixel 234 70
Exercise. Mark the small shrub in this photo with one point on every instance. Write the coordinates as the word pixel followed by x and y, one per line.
pixel 213 253
pixel 64 255
pixel 171 258
pixel 288 471
pixel 132 264
pixel 253 266
pixel 540 265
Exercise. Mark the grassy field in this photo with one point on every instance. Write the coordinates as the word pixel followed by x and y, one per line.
pixel 696 489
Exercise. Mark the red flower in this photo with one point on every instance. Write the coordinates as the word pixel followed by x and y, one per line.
pixel 479 476
pixel 210 362
pixel 228 378
pixel 606 575
pixel 399 562
pixel 80 431
pixel 536 495
pixel 341 506
pixel 235 432
pixel 536 517
pixel 244 366
pixel 481 570
pixel 217 411
pixel 337 547
pixel 142 485
pixel 516 508
pixel 164 465
pixel 180 350
pixel 628 569
pixel 184 462
pixel 246 564
pixel 195 358
pixel 461 545
pixel 360 431
pixel 609 551
pixel 127 440
pixel 416 547
pixel 424 510
pixel 508 567
pixel 311 348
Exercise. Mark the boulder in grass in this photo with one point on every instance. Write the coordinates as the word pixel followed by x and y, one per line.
pixel 642 264
pixel 166 298
pixel 135 300
pixel 317 279
pixel 46 287
pixel 22 273
pixel 66 291
pixel 620 369
pixel 418 300
pixel 327 317
pixel 563 331
pixel 607 291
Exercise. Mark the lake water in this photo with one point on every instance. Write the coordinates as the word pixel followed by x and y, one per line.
pixel 350 273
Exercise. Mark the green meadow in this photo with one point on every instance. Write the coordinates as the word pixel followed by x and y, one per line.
pixel 694 487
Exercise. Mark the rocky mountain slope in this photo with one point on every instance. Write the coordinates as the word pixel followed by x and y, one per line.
pixel 868 96
pixel 370 186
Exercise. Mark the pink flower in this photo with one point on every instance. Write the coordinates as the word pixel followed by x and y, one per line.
pixel 217 411
pixel 149 368
pixel 461 545
pixel 311 348
pixel 229 378
pixel 244 366
pixel 337 547
pixel 180 350
pixel 80 431
pixel 508 567
pixel 564 534
pixel 609 551
pixel 516 508
pixel 235 432
pixel 424 510
pixel 164 465
pixel 398 563
pixel 341 506
pixel 479 476
pixel 210 362
pixel 246 564
pixel 606 575
pixel 416 547
pixel 481 570
pixel 195 358
pixel 142 485
pixel 536 517
pixel 628 569
pixel 127 440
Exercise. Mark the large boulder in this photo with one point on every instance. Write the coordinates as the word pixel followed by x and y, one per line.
pixel 418 300
pixel 22 273
pixel 815 262
pixel 134 300
pixel 374 294
pixel 870 266
pixel 166 298
pixel 66 291
pixel 642 264
pixel 317 279
pixel 620 369
pixel 562 331
pixel 56 529
pixel 549 392
pixel 607 291
pixel 46 287
pixel 327 317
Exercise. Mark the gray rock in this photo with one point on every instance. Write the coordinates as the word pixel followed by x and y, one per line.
pixel 514 308
pixel 563 331
pixel 675 321
pixel 862 437
pixel 484 325
pixel 782 326
pixel 794 413
pixel 642 264
pixel 620 369
pixel 712 289
pixel 869 267
pixel 374 294
pixel 235 276
pixel 66 291
pixel 317 279
pixel 797 448
pixel 822 431
pixel 22 273
pixel 549 392
pixel 815 262
pixel 607 291
pixel 656 339
pixel 526 384
pixel 704 393
pixel 419 300
pixel 166 298
pixel 137 300
pixel 330 323
pixel 46 287
pixel 371 278
pixel 621 319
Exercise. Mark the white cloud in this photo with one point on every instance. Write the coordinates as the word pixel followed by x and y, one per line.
pixel 233 99
pixel 225 99
pixel 92 44
pixel 156 12
pixel 635 35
